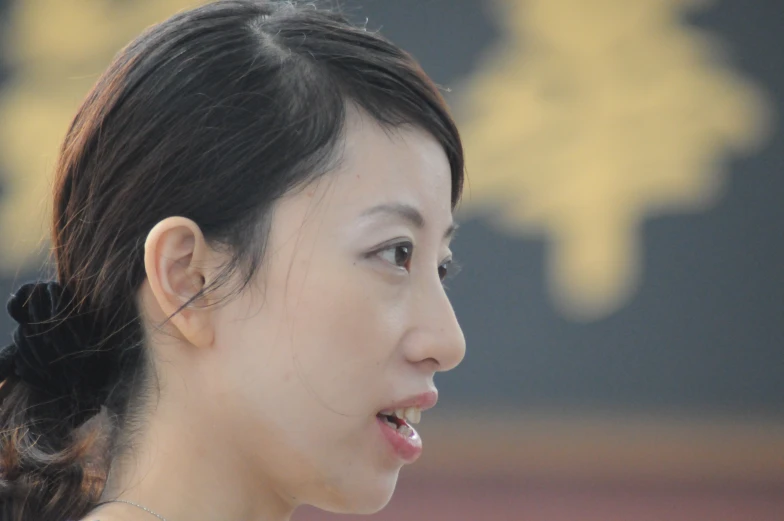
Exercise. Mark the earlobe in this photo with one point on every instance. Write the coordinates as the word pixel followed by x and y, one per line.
pixel 176 259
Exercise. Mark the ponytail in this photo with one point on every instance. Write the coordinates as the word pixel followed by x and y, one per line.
pixel 55 374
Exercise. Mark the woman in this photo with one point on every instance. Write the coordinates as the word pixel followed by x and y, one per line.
pixel 252 217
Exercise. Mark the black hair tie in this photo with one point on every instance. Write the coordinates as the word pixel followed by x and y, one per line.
pixel 55 350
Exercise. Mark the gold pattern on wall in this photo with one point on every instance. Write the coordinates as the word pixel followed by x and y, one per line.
pixel 57 50
pixel 590 117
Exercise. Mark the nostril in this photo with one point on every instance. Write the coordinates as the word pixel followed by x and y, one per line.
pixel 432 364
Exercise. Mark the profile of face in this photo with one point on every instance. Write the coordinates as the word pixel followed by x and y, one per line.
pixel 347 317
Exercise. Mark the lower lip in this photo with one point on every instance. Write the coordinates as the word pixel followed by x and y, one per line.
pixel 407 448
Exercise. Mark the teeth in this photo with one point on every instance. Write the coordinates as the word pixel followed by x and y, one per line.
pixel 410 414
pixel 406 431
pixel 413 415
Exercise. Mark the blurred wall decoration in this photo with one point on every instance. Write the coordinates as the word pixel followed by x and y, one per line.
pixel 56 49
pixel 592 115
pixel 622 240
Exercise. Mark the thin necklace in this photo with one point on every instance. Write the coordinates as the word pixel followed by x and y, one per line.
pixel 137 506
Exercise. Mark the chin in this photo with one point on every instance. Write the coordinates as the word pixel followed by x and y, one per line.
pixel 362 496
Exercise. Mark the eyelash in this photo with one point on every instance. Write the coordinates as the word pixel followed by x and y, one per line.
pixel 447 270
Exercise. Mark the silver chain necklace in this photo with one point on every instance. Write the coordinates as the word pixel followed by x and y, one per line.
pixel 137 506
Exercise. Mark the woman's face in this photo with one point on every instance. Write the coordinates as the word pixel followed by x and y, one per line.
pixel 348 317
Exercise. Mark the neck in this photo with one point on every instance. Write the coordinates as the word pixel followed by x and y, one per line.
pixel 175 471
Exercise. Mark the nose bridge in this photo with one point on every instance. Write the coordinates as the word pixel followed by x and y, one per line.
pixel 436 333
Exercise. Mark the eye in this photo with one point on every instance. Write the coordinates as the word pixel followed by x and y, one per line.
pixel 398 255
pixel 448 270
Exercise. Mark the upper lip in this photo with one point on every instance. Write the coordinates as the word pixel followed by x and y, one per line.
pixel 422 401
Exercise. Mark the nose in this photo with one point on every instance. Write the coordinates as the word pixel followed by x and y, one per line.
pixel 435 337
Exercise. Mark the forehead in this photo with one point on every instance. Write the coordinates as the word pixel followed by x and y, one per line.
pixel 374 167
pixel 392 165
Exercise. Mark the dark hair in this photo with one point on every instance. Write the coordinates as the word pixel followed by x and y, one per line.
pixel 212 115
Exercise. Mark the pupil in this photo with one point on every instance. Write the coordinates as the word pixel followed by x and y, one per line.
pixel 401 255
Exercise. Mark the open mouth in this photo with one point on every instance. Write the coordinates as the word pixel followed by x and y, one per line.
pixel 401 420
pixel 396 427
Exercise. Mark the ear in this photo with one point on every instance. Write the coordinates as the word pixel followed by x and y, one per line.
pixel 176 258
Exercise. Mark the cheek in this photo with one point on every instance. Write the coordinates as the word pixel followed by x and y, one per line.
pixel 317 336
pixel 344 334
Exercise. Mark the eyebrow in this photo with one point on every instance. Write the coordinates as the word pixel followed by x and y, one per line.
pixel 407 213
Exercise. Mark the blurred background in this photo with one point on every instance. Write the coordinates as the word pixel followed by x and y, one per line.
pixel 622 241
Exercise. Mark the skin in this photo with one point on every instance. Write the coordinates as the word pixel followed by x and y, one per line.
pixel 268 400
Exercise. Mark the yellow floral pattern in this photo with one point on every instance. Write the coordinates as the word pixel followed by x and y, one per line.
pixel 590 117
pixel 57 50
